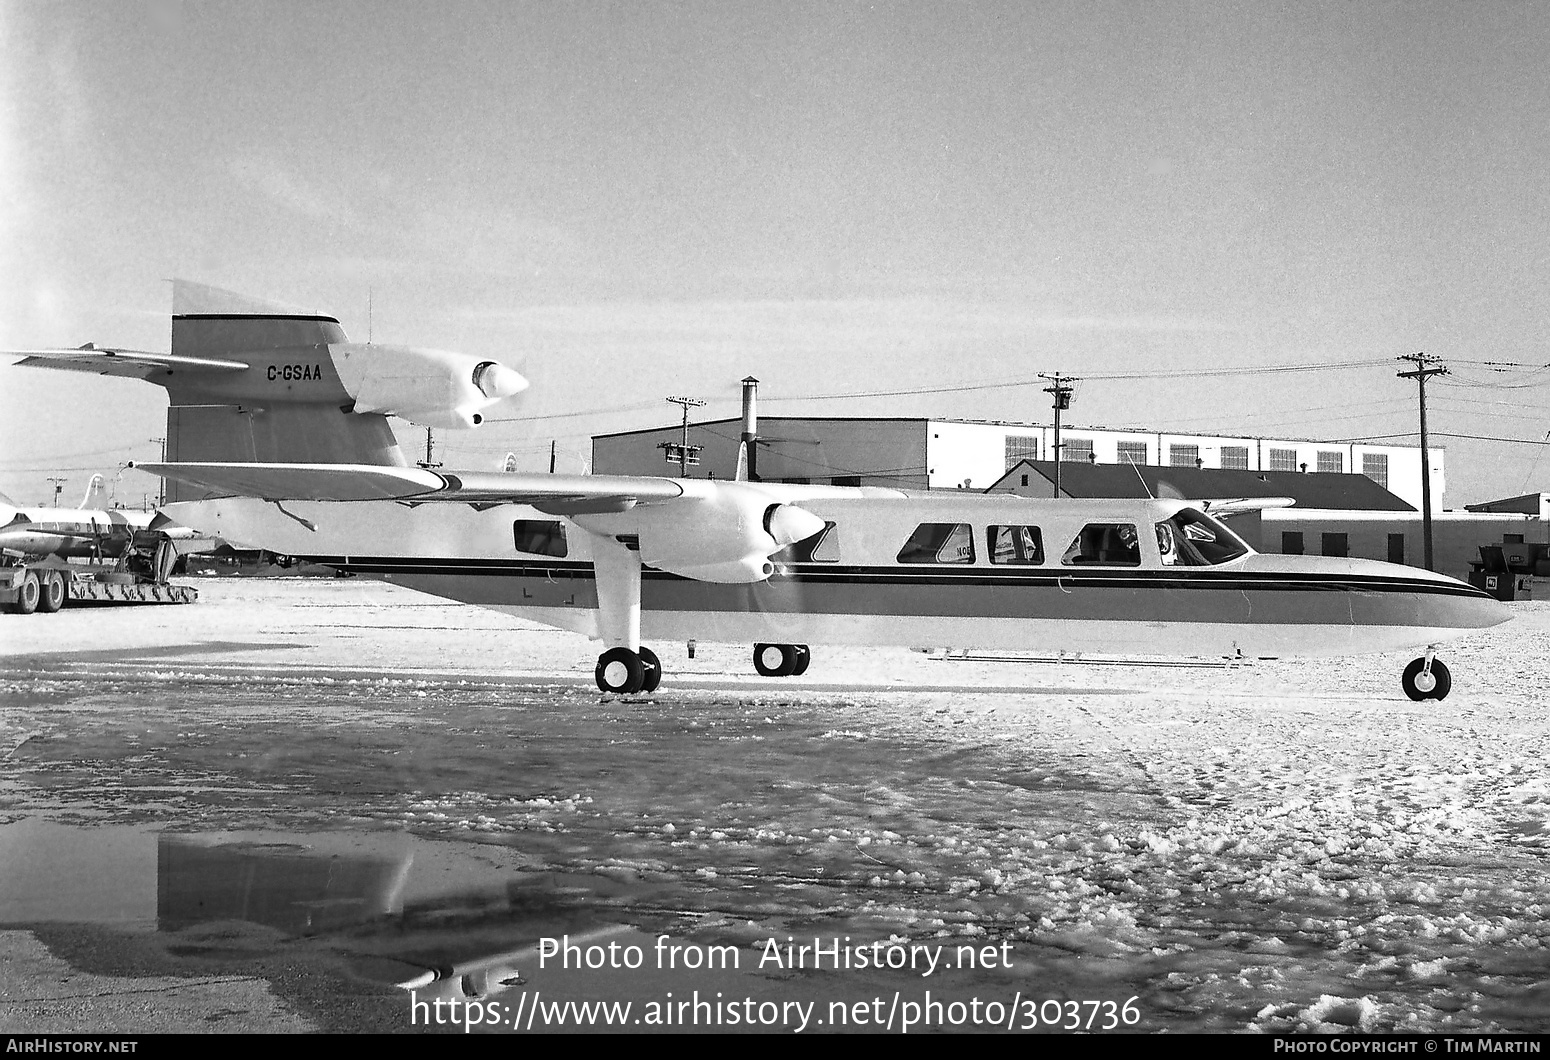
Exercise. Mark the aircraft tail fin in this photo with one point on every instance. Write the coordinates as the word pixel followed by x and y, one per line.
pixel 741 474
pixel 95 496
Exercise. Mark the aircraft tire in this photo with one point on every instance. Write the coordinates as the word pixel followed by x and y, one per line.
pixel 653 670
pixel 27 594
pixel 787 660
pixel 53 591
pixel 1437 686
pixel 610 678
pixel 804 656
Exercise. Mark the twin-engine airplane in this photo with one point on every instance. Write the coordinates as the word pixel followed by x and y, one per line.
pixel 278 437
pixel 83 531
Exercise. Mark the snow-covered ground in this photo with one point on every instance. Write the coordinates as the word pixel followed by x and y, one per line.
pixel 1282 846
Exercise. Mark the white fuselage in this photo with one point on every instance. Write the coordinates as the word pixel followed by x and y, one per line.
pixel 865 586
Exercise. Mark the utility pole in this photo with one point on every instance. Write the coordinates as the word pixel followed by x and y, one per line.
pixel 687 454
pixel 59 485
pixel 1423 371
pixel 552 443
pixel 1060 391
pixel 430 450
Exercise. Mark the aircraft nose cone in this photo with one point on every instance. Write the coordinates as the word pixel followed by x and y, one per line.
pixel 497 381
pixel 788 524
pixel 1478 612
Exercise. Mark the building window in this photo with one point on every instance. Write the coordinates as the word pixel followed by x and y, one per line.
pixel 1235 457
pixel 1021 447
pixel 1331 462
pixel 1077 450
pixel 1376 467
pixel 1336 545
pixel 939 543
pixel 1283 460
pixel 1184 455
pixel 1396 548
pixel 1133 452
pixel 1014 544
pixel 1291 542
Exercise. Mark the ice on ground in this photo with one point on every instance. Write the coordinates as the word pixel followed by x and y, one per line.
pixel 1279 848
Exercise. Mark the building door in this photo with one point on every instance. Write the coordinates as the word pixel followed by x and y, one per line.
pixel 1396 548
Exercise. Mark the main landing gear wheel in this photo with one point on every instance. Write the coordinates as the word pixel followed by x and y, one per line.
pixel 804 656
pixel 653 670
pixel 624 672
pixel 1423 682
pixel 620 671
pixel 781 660
pixel 52 591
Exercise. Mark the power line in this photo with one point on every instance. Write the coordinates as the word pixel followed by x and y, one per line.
pixel 1448 434
pixel 1199 373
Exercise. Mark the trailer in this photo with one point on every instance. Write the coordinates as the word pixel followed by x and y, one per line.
pixel 30 584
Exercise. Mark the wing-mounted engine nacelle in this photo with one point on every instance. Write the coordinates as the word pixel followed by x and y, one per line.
pixel 433 388
pixel 727 535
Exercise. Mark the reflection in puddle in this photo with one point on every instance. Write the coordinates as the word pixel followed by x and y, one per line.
pixel 298 888
pixel 456 920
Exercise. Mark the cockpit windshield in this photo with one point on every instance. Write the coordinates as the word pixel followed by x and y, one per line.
pixel 1194 539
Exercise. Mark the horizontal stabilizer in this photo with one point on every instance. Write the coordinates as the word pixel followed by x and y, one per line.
pixel 134 364
pixel 1228 507
pixel 561 494
pixel 303 482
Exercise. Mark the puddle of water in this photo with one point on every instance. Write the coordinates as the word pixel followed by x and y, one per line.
pixel 301 883
pixel 449 913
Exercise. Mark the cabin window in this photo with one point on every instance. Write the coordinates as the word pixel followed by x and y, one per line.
pixel 845 480
pixel 1111 544
pixel 1193 539
pixel 542 537
pixel 822 547
pixel 1014 544
pixel 939 543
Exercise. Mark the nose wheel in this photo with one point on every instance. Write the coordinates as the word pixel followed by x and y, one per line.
pixel 621 671
pixel 1426 678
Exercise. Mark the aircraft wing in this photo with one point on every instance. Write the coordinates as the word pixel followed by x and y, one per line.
pixel 134 364
pixel 555 494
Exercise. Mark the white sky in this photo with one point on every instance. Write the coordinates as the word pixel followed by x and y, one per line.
pixel 635 200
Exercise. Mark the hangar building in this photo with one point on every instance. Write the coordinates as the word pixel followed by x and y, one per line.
pixel 974 454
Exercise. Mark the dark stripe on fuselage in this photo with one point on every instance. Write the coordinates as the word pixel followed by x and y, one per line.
pixel 1146 596
pixel 935 576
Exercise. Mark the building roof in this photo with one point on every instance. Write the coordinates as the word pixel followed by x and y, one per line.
pixel 1323 489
